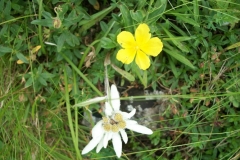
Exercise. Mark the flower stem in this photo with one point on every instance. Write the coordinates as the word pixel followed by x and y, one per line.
pixel 142 79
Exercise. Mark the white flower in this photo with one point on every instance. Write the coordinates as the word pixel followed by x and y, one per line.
pixel 114 123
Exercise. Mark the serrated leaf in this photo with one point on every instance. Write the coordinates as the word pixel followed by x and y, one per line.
pixel 179 57
pixel 125 74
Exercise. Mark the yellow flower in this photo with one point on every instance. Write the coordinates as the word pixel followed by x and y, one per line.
pixel 141 46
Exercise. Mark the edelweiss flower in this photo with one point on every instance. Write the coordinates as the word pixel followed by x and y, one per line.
pixel 114 125
pixel 142 46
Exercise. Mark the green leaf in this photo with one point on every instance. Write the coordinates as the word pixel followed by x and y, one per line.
pixel 137 16
pixel 187 20
pixel 22 57
pixel 4 50
pixel 126 17
pixel 125 74
pixel 60 41
pixel 28 82
pixel 158 12
pixel 174 69
pixel 71 39
pixel 43 22
pixel 180 38
pixel 42 81
pixel 196 10
pixel 86 24
pixel 46 15
pixel 104 26
pixel 47 75
pixel 175 54
pixel 145 73
pixel 92 2
pixel 107 43
pixel 180 45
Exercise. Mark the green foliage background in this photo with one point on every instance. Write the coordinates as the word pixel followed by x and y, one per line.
pixel 198 68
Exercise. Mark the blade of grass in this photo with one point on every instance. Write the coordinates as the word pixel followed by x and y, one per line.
pixel 175 54
pixel 81 74
pixel 40 35
pixel 74 138
pixel 196 10
pixel 75 91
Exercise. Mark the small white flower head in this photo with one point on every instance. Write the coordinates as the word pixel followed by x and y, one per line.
pixel 113 125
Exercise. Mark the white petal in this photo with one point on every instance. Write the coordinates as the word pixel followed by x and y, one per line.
pixel 108 109
pixel 115 101
pixel 105 140
pixel 139 128
pixel 117 144
pixel 124 114
pixel 128 115
pixel 98 130
pixel 132 113
pixel 92 144
pixel 110 134
pixel 90 101
pixel 100 145
pixel 50 43
pixel 130 122
pixel 124 136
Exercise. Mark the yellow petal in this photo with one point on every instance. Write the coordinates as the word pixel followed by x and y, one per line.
pixel 126 39
pixel 126 55
pixel 20 61
pixel 153 47
pixel 35 49
pixel 142 60
pixel 142 34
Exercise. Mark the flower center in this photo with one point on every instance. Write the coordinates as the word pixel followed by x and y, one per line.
pixel 137 48
pixel 114 124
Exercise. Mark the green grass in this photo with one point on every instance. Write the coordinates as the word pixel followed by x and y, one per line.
pixel 198 70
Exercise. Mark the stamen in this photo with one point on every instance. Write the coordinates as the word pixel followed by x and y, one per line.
pixel 118 117
pixel 115 128
pixel 107 127
pixel 105 120
pixel 121 124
